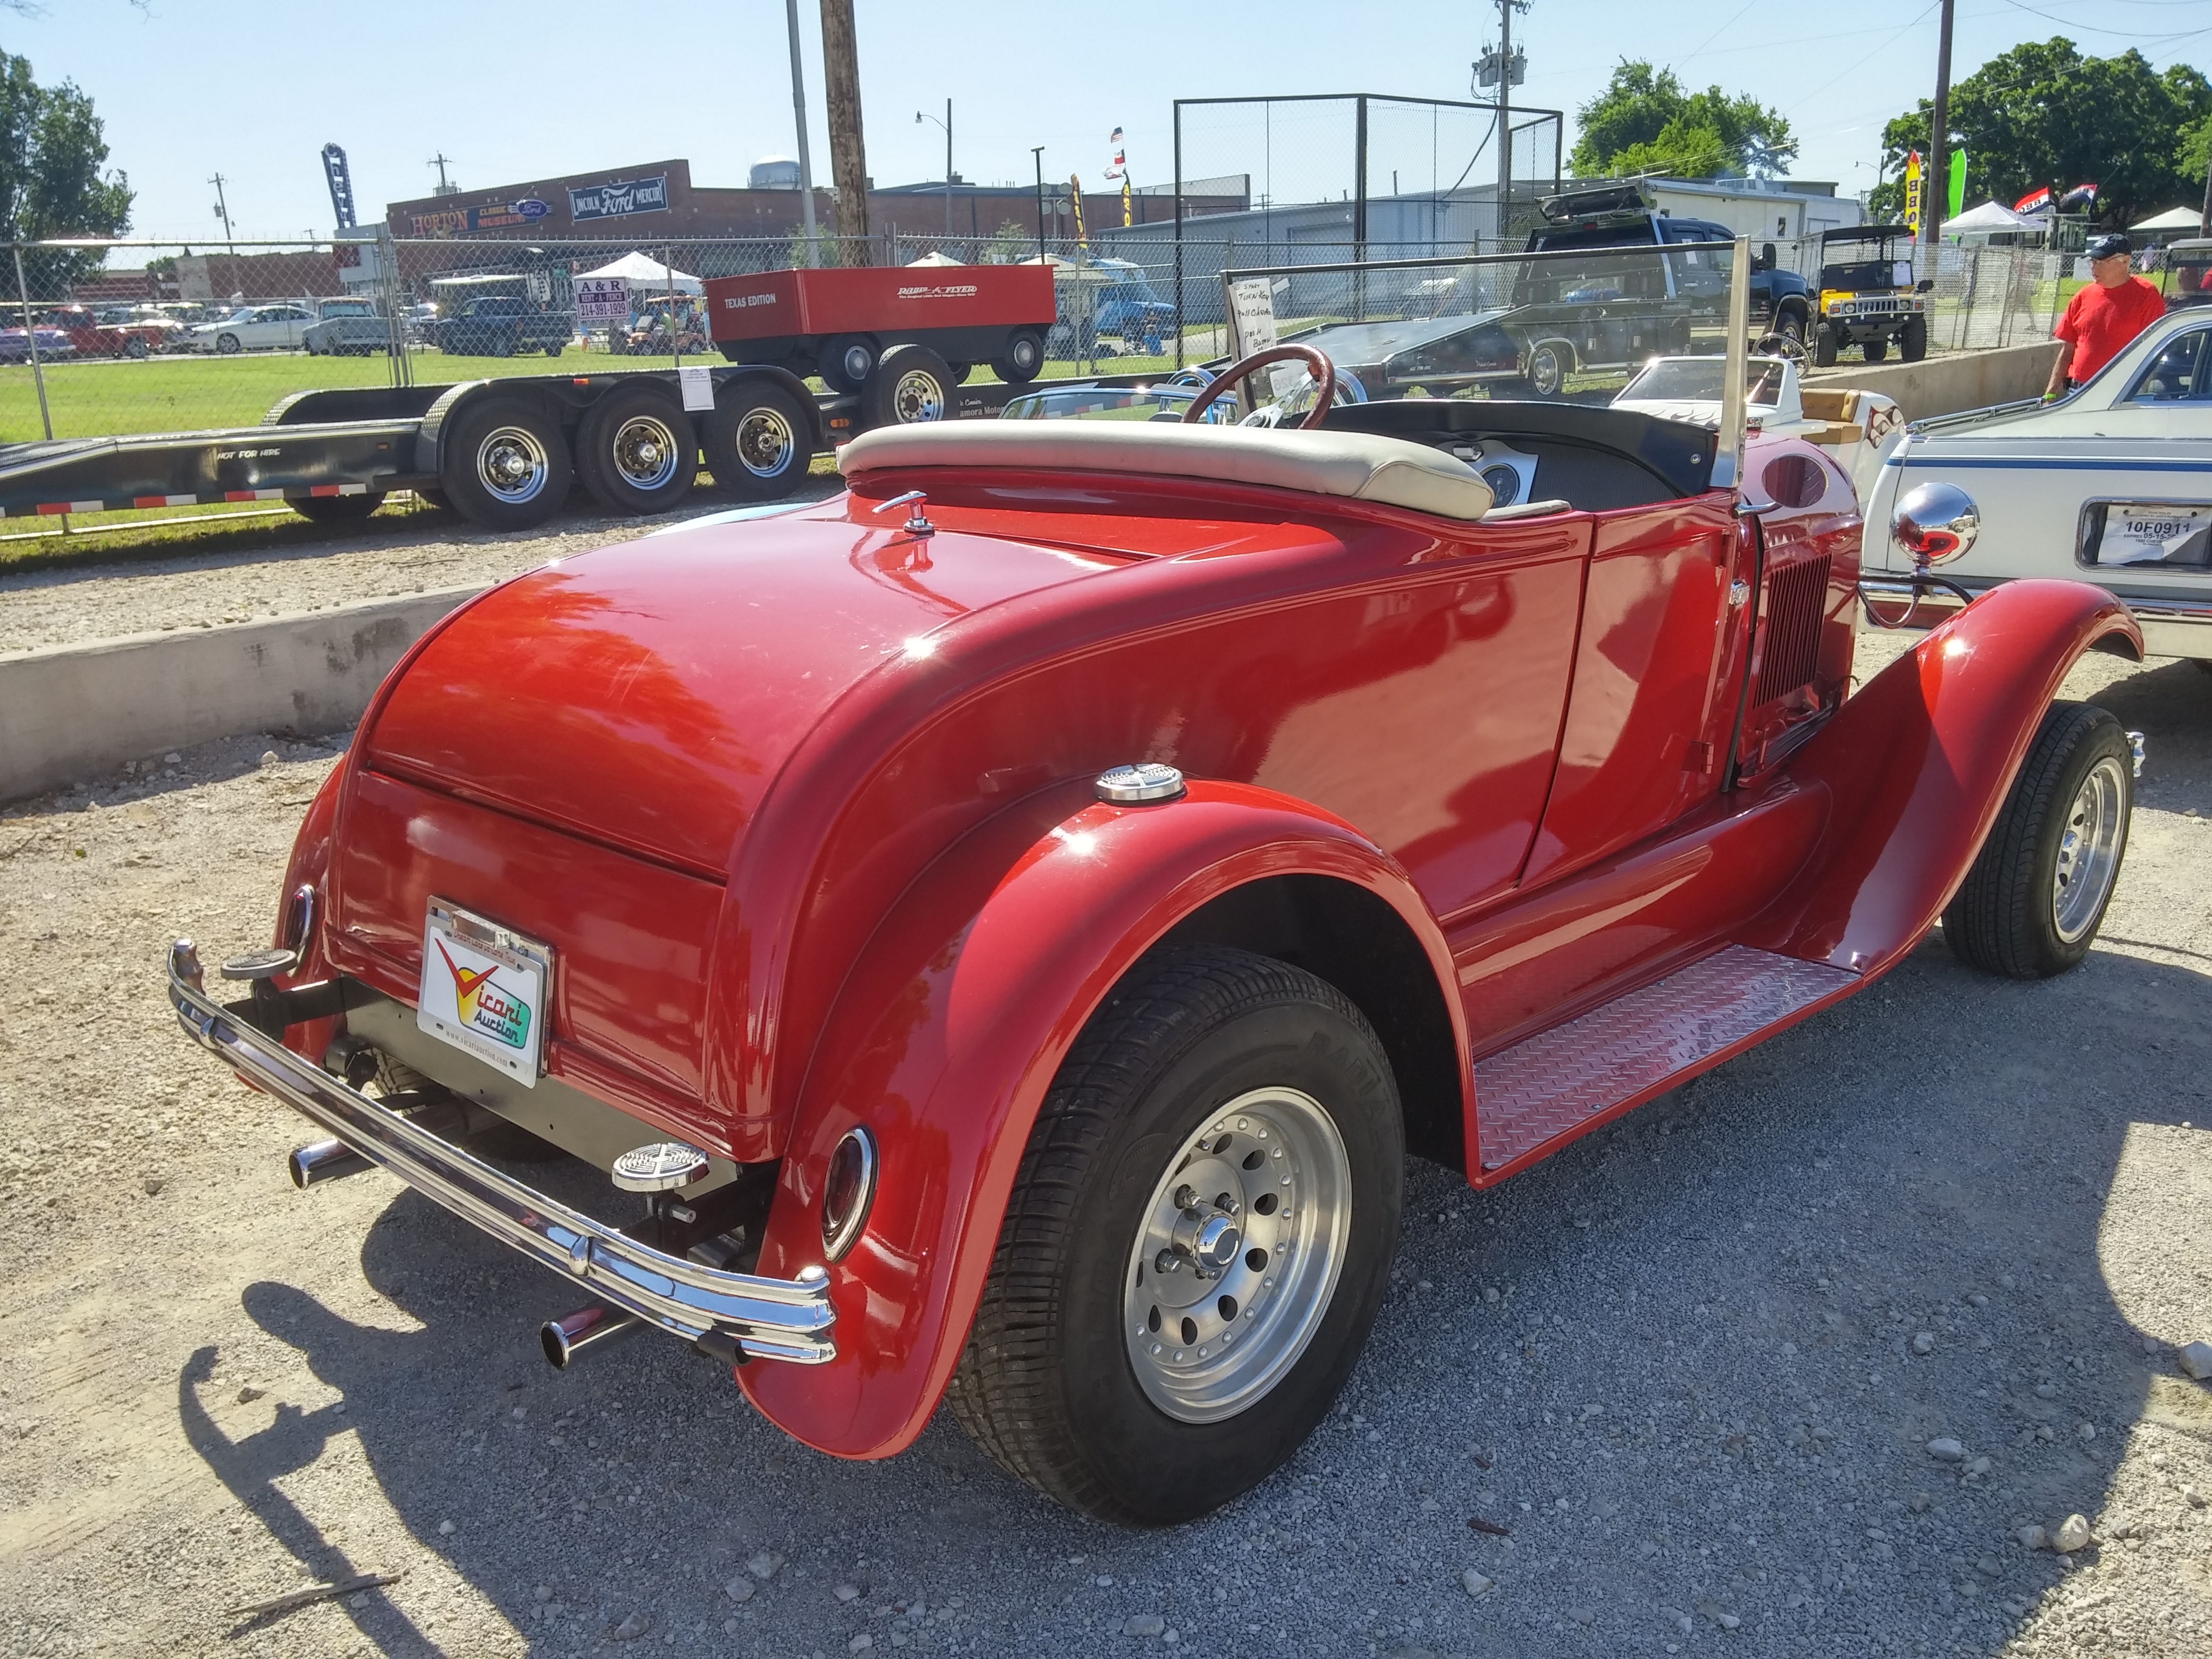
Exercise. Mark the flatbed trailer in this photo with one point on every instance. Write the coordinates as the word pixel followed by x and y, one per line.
pixel 500 453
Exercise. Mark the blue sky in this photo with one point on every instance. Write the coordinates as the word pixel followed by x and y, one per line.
pixel 253 88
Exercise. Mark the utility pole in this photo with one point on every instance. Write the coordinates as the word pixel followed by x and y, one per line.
pixel 799 113
pixel 920 116
pixel 439 162
pixel 848 157
pixel 1037 154
pixel 1936 182
pixel 222 212
pixel 2204 218
pixel 1503 66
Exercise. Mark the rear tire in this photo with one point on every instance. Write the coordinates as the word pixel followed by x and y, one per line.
pixel 912 387
pixel 846 362
pixel 1021 357
pixel 759 442
pixel 636 450
pixel 1210 1063
pixel 337 509
pixel 506 465
pixel 2031 905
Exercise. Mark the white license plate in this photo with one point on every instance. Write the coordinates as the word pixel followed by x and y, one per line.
pixel 2156 532
pixel 485 989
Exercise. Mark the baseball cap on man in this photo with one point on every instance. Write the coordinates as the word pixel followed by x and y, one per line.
pixel 2109 244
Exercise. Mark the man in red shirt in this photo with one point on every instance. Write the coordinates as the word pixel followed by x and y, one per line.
pixel 2102 318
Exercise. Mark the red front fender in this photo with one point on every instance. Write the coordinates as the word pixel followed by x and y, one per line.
pixel 1918 763
pixel 947 1035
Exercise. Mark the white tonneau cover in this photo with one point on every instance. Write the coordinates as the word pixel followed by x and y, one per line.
pixel 1390 470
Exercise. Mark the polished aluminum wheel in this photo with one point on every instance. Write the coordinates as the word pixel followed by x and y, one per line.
pixel 764 443
pixel 2089 848
pixel 1237 1255
pixel 646 452
pixel 917 396
pixel 512 464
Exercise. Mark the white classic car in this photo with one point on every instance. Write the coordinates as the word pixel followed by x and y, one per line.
pixel 1854 426
pixel 2111 485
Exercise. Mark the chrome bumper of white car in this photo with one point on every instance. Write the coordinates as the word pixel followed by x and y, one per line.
pixel 782 1319
pixel 2172 627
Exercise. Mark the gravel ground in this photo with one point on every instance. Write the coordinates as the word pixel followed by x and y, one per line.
pixel 1685 1375
pixel 387 556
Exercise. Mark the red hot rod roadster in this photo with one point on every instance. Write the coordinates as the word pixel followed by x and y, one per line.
pixel 1011 920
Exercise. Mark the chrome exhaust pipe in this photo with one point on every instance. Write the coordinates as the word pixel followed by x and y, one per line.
pixel 324 1160
pixel 564 1338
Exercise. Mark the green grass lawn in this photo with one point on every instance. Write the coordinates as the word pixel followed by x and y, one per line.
pixel 187 392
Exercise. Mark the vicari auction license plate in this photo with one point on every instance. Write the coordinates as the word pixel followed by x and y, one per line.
pixel 485 989
pixel 2157 532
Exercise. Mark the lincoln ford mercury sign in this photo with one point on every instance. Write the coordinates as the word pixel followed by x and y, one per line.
pixel 616 200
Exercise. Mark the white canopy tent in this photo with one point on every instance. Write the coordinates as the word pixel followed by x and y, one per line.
pixel 1988 217
pixel 647 275
pixel 2184 220
pixel 933 258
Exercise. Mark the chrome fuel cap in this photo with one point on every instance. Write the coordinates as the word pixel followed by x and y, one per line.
pixel 1147 781
pixel 657 1168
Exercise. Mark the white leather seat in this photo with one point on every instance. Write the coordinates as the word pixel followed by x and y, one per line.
pixel 1356 465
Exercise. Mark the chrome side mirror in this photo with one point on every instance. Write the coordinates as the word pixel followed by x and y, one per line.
pixel 1935 522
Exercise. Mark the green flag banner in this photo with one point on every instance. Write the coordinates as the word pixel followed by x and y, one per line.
pixel 1957 193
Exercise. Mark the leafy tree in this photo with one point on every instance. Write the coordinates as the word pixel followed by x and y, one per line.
pixel 2042 114
pixel 1009 245
pixel 1644 121
pixel 53 177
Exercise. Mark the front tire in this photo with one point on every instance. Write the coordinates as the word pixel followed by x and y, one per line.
pixel 2031 905
pixel 1824 347
pixel 226 344
pixel 1144 1351
pixel 846 362
pixel 1912 342
pixel 506 465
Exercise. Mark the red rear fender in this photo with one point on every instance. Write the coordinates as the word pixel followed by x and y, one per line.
pixel 1918 763
pixel 947 1037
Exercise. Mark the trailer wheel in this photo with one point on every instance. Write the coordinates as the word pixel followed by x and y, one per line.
pixel 1023 356
pixel 846 362
pixel 336 509
pixel 911 386
pixel 1549 363
pixel 1912 343
pixel 759 442
pixel 506 465
pixel 636 450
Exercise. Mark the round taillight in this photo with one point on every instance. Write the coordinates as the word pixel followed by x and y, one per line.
pixel 846 1190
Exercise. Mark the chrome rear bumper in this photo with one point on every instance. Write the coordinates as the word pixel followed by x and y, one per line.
pixel 761 1318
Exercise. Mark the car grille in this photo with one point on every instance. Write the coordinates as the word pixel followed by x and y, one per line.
pixel 1790 655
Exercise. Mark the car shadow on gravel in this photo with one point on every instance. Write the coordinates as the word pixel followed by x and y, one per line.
pixel 1696 1396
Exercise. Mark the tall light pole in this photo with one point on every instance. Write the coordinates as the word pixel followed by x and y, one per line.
pixel 1037 151
pixel 1936 183
pixel 1504 68
pixel 920 116
pixel 799 113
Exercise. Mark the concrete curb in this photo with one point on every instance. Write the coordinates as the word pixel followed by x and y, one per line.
pixel 70 713
pixel 1948 383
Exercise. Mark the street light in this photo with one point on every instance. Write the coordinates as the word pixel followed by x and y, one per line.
pixel 920 116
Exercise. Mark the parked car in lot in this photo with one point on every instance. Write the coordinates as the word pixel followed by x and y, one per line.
pixel 1005 926
pixel 53 342
pixel 2111 485
pixel 346 328
pixel 255 328
pixel 114 331
pixel 499 326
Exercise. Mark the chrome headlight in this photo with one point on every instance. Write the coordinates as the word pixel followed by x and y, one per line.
pixel 1935 522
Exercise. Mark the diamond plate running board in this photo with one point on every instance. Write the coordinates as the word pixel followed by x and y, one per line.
pixel 1554 1083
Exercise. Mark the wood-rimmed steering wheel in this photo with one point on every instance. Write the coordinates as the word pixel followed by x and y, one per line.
pixel 1317 365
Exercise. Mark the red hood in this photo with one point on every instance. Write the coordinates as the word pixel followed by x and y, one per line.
pixel 646 695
